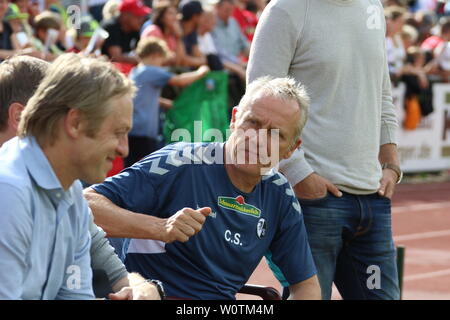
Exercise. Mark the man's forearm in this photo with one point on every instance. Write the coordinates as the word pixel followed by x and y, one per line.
pixel 4 54
pixel 306 290
pixel 121 223
pixel 388 154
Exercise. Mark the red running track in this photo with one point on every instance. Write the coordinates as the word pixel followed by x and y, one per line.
pixel 421 223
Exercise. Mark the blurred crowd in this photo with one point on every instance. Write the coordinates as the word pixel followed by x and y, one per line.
pixel 217 34
pixel 418 51
pixel 161 45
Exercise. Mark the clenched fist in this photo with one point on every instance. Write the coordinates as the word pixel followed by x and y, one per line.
pixel 184 224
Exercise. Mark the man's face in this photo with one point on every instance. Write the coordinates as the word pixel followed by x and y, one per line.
pixel 397 24
pixel 132 22
pixel 83 42
pixel 208 21
pixel 137 22
pixel 263 133
pixel 95 155
pixel 225 10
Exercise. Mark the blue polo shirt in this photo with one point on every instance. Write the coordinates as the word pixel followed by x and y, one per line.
pixel 243 227
pixel 44 230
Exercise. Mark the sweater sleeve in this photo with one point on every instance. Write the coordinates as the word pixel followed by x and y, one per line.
pixel 296 168
pixel 389 125
pixel 103 256
pixel 388 115
pixel 270 57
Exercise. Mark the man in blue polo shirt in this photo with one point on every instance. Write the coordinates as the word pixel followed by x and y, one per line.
pixel 252 214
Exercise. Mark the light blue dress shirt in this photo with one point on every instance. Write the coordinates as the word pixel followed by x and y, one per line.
pixel 44 230
pixel 229 40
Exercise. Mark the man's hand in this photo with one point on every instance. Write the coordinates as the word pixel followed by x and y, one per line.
pixel 143 291
pixel 315 187
pixel 308 289
pixel 387 183
pixel 184 224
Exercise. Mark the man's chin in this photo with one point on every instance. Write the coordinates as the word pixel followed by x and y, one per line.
pixel 97 178
pixel 252 169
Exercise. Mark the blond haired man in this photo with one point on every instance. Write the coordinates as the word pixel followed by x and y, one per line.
pixel 19 78
pixel 72 128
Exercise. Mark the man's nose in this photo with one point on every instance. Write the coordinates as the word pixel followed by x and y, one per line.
pixel 122 147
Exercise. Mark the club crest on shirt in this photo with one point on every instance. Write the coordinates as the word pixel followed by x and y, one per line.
pixel 261 228
pixel 238 205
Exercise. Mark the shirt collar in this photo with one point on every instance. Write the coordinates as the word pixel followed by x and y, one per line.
pixel 38 165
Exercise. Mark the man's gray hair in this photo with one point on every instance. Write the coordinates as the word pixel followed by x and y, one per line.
pixel 284 88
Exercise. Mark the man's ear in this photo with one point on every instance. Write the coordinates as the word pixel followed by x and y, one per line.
pixel 73 123
pixel 14 112
pixel 292 149
pixel 233 117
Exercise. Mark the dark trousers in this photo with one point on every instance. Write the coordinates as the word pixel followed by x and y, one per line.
pixel 351 242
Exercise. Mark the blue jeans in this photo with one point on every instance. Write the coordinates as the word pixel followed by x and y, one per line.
pixel 351 240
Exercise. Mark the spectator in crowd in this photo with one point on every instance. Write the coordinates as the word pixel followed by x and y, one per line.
pixel 96 9
pixel 56 7
pixel 244 224
pixel 6 46
pixel 16 20
pixel 232 46
pixel 124 31
pixel 191 11
pixel 440 65
pixel 150 77
pixel 431 43
pixel 396 53
pixel 29 7
pixel 227 35
pixel 418 93
pixel 110 10
pixel 23 5
pixel 167 27
pixel 256 6
pixel 45 24
pixel 425 20
pixel 207 46
pixel 247 20
pixel 75 122
pixel 83 35
pixel 409 36
pixel 345 173
pixel 415 66
pixel 206 25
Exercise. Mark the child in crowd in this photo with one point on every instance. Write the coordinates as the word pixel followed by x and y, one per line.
pixel 17 21
pixel 150 78
pixel 45 24
pixel 84 34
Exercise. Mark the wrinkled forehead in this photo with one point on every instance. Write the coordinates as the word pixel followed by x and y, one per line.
pixel 276 112
pixel 267 102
